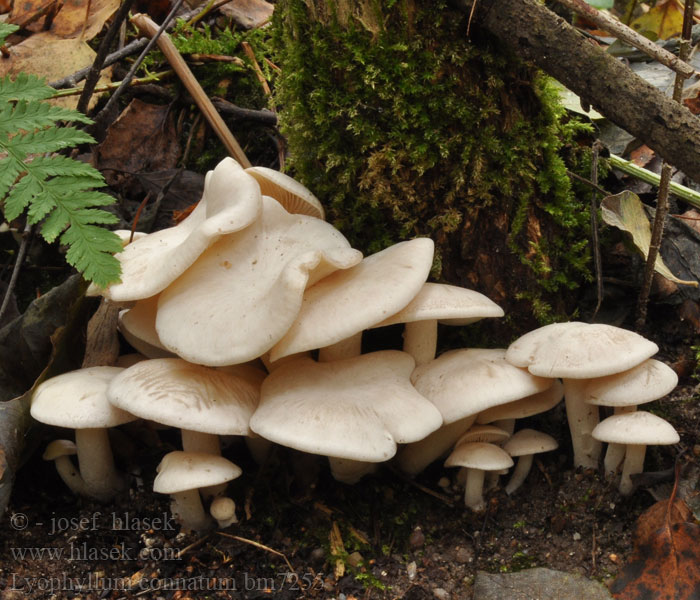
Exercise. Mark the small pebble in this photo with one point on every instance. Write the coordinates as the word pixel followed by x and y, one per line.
pixel 355 559
pixel 613 558
pixel 441 594
pixel 443 482
pixel 464 555
pixel 577 536
pixel 412 570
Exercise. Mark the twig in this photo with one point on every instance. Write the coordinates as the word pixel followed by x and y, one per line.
pixel 597 260
pixel 24 244
pixel 657 229
pixel 588 182
pixel 422 488
pixel 292 571
pixel 93 75
pixel 115 84
pixel 627 166
pixel 248 49
pixel 155 36
pixel 166 46
pixel 266 117
pixel 626 34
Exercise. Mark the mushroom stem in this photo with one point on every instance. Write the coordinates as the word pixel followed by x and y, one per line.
pixel 415 457
pixel 350 471
pixel 634 463
pixel 582 418
pixel 473 490
pixel 70 475
pixel 420 340
pixel 97 464
pixel 520 473
pixel 615 452
pixel 187 508
pixel 347 348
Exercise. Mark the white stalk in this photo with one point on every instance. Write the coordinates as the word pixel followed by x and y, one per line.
pixel 70 475
pixel 473 490
pixel 520 473
pixel 347 348
pixel 615 453
pixel 583 418
pixel 634 463
pixel 97 464
pixel 188 510
pixel 196 441
pixel 420 340
pixel 350 471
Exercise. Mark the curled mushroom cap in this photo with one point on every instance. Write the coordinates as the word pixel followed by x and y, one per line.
pixel 291 194
pixel 357 408
pixel 244 292
pixel 138 326
pixel 346 302
pixel 231 201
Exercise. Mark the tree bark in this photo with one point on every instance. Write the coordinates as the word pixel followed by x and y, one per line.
pixel 538 35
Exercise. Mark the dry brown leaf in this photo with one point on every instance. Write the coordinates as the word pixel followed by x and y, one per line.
pixel 47 56
pixel 642 156
pixel 81 19
pixel 143 138
pixel 665 562
pixel 665 20
pixel 248 13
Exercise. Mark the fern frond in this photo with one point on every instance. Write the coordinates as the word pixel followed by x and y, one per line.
pixel 54 191
pixel 34 115
pixel 24 87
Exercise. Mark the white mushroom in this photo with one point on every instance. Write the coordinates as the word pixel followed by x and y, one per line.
pixel 78 400
pixel 356 409
pixel 525 444
pixel 578 352
pixel 449 304
pixel 478 457
pixel 244 292
pixel 636 430
pixel 339 307
pixel 59 451
pixel 223 509
pixel 181 474
pixel 291 194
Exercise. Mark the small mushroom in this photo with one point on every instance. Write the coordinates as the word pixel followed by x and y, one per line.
pixel 636 430
pixel 59 451
pixel 291 194
pixel 525 444
pixel 181 474
pixel 78 400
pixel 478 458
pixel 223 509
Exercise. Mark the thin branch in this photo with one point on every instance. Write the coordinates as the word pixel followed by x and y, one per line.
pixel 93 75
pixel 657 229
pixel 597 260
pixel 130 75
pixel 24 244
pixel 195 89
pixel 629 35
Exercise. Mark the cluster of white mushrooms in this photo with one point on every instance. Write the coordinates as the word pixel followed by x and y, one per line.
pixel 226 309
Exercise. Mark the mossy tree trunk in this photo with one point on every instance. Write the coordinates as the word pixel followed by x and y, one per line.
pixel 405 126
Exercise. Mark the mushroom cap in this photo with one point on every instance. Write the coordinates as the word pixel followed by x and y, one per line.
pixel 483 433
pixel 646 382
pixel 138 326
pixel 339 306
pixel 639 427
pixel 579 350
pixel 468 381
pixel 174 392
pixel 529 441
pixel 295 197
pixel 231 202
pixel 180 471
pixel 78 400
pixel 479 455
pixel 449 304
pixel 357 408
pixel 59 448
pixel 525 407
pixel 244 292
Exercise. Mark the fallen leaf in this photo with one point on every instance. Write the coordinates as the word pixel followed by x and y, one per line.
pixel 47 56
pixel 77 19
pixel 625 211
pixel 248 13
pixel 665 561
pixel 642 156
pixel 663 21
pixel 143 138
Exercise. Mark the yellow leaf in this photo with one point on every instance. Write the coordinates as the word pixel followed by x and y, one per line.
pixel 663 21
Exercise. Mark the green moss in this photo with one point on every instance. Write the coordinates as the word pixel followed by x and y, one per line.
pixel 403 126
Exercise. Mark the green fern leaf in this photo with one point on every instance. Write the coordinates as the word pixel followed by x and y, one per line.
pixel 5 30
pixel 55 191
pixel 24 87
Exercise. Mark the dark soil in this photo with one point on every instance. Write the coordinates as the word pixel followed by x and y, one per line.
pixel 303 535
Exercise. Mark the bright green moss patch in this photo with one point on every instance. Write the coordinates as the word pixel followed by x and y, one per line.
pixel 404 127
